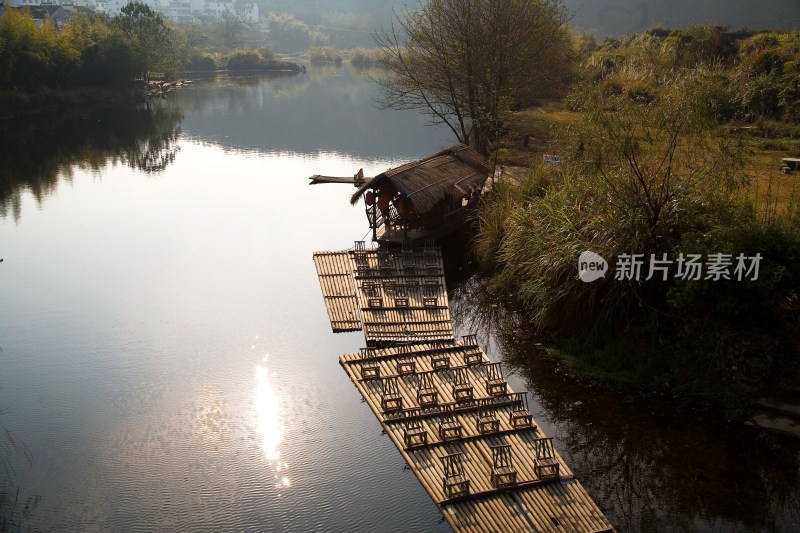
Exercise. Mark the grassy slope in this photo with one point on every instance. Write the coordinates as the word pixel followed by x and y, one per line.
pixel 769 186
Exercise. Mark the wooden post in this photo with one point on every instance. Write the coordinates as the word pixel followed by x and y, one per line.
pixel 375 218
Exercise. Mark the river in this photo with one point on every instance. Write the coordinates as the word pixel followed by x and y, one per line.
pixel 168 363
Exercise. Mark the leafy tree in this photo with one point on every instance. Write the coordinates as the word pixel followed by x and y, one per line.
pixel 198 35
pixel 288 33
pixel 150 38
pixel 105 55
pixel 467 62
pixel 110 61
pixel 27 58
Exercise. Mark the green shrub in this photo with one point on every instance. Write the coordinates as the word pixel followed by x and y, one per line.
pixel 760 97
pixel 776 129
pixel 199 62
pixel 757 42
pixel 245 60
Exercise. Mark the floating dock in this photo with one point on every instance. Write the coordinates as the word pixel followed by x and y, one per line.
pixel 467 437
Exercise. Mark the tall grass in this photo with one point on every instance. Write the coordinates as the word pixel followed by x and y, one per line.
pixel 324 54
pixel 505 195
pixel 650 177
pixel 537 242
pixel 368 57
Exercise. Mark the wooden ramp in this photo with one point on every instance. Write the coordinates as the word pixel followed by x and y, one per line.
pixel 470 440
pixel 397 296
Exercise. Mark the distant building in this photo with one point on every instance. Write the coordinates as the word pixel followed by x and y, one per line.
pixel 246 12
pixel 41 13
pixel 181 11
pixel 30 3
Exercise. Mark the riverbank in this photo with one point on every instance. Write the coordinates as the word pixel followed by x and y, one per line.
pixel 16 104
pixel 711 342
pixel 42 102
pixel 640 366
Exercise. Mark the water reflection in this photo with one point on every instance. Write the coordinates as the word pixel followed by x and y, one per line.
pixel 649 465
pixel 111 361
pixel 35 154
pixel 253 80
pixel 324 110
pixel 327 110
pixel 14 512
pixel 269 424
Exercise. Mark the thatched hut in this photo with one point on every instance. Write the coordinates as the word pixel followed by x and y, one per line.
pixel 426 198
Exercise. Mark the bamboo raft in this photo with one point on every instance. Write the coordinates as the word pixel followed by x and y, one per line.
pixel 395 296
pixel 470 440
pixel 467 437
pixel 335 273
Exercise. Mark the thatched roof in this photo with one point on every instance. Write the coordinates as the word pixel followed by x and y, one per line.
pixel 451 173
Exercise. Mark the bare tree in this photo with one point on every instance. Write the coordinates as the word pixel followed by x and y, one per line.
pixel 230 29
pixel 467 62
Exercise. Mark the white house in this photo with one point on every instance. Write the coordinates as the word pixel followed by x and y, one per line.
pixel 181 11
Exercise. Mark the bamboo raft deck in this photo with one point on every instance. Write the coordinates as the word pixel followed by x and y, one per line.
pixel 396 296
pixel 335 273
pixel 443 403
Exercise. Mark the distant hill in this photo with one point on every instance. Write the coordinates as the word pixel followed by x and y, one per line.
pixel 616 17
pixel 350 22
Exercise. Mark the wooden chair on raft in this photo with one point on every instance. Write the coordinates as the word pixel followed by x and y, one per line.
pixel 454 482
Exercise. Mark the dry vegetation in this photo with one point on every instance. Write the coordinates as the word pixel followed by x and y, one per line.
pixel 671 143
pixel 549 128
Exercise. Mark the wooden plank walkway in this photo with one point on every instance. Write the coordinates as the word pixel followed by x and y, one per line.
pixel 397 296
pixel 442 401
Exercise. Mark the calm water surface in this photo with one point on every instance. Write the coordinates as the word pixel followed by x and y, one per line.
pixel 166 356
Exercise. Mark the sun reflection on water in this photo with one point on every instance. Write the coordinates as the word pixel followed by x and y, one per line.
pixel 269 425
